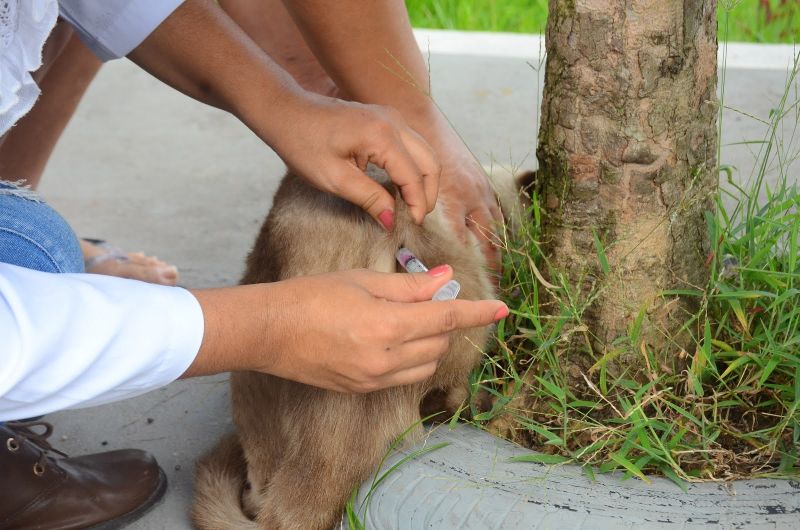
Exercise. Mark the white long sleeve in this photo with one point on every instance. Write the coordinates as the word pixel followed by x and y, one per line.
pixel 112 28
pixel 76 340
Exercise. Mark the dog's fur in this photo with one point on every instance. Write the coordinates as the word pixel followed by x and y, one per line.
pixel 298 450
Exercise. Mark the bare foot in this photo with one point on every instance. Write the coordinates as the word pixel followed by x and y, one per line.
pixel 102 258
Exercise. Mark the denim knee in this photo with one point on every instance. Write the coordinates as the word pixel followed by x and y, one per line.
pixel 33 235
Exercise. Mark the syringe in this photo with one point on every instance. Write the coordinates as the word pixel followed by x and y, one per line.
pixel 411 263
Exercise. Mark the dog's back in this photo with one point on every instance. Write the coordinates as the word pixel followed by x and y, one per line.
pixel 305 448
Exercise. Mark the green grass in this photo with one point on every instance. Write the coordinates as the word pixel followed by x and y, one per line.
pixel 751 20
pixel 519 16
pixel 727 408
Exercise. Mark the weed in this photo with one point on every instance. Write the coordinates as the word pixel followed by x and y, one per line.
pixel 726 409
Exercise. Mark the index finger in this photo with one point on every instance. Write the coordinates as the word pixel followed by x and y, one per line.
pixel 410 179
pixel 427 163
pixel 428 319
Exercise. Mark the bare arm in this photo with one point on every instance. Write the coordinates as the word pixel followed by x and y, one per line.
pixel 201 52
pixel 369 50
pixel 353 331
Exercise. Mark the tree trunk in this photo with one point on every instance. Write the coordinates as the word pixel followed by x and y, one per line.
pixel 627 151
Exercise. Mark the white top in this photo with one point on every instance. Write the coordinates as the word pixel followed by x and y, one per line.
pixel 111 28
pixel 75 340
pixel 23 29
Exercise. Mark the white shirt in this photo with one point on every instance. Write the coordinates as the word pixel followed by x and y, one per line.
pixel 110 28
pixel 75 340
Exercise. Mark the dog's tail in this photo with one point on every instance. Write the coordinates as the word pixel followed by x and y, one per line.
pixel 219 478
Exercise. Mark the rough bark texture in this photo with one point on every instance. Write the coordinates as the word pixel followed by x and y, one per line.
pixel 627 150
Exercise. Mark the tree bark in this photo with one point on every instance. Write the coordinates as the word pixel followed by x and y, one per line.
pixel 627 151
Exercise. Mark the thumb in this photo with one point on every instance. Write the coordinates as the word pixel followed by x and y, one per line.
pixel 409 287
pixel 368 195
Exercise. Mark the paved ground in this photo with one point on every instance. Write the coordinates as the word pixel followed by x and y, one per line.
pixel 148 169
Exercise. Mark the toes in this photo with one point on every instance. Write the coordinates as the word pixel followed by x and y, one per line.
pixel 131 265
pixel 141 258
pixel 168 275
pixel 163 274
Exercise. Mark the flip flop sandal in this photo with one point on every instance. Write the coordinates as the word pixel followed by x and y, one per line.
pixel 111 253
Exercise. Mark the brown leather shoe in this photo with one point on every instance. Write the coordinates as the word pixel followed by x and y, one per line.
pixel 99 492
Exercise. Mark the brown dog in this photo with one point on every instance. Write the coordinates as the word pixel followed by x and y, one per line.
pixel 299 451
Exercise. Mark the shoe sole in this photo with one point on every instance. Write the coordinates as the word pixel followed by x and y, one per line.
pixel 128 518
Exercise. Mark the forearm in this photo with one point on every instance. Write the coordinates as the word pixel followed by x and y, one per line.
pixel 201 52
pixel 240 328
pixel 369 50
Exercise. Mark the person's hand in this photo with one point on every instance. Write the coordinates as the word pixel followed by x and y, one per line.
pixel 329 143
pixel 464 189
pixel 202 52
pixel 469 202
pixel 359 331
pixel 351 331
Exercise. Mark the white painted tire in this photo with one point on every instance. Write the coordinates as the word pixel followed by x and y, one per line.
pixel 471 484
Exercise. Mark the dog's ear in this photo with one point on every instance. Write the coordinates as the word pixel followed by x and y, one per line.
pixel 513 191
pixel 526 181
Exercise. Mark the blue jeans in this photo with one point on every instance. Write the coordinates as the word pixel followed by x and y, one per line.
pixel 33 235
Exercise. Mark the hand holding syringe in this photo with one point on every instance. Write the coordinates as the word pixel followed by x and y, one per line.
pixel 411 263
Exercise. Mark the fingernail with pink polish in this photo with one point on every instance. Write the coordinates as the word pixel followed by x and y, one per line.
pixel 501 313
pixel 438 271
pixel 386 218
